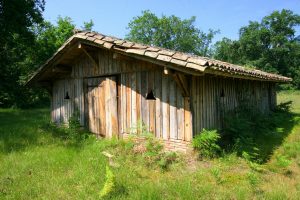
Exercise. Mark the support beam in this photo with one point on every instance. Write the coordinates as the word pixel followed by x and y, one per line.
pixel 64 69
pixel 118 56
pixel 80 46
pixel 182 83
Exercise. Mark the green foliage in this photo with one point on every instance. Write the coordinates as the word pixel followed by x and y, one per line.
pixel 88 26
pixel 16 19
pixel 46 165
pixel 109 184
pixel 270 45
pixel 216 172
pixel 207 143
pixel 246 131
pixel 150 148
pixel 170 32
pixel 284 107
pixel 253 179
pixel 282 161
pixel 26 42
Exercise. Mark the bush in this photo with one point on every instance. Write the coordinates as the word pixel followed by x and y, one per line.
pixel 207 143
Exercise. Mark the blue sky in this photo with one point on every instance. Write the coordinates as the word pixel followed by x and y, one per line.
pixel 111 17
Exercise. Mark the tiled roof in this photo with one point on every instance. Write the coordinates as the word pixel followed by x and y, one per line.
pixel 188 61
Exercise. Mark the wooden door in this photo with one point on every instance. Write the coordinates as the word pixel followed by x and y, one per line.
pixel 102 106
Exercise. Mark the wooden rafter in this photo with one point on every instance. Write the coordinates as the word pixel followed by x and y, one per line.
pixel 62 69
pixel 80 46
pixel 182 83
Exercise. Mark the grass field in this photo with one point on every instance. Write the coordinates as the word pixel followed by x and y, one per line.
pixel 39 162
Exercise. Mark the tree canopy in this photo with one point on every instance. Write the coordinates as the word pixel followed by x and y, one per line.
pixel 16 19
pixel 170 32
pixel 270 45
pixel 26 41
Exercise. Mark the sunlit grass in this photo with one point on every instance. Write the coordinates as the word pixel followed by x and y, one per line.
pixel 36 163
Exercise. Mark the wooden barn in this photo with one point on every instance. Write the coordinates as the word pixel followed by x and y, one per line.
pixel 113 84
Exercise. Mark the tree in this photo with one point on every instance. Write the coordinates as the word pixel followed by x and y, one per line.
pixel 88 26
pixel 16 19
pixel 26 42
pixel 270 45
pixel 170 32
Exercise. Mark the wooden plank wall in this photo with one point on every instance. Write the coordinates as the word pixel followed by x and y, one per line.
pixel 170 114
pixel 163 116
pixel 213 96
pixel 63 109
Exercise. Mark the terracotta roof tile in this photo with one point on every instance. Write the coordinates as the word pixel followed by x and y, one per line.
pixel 136 51
pixel 166 52
pixel 180 59
pixel 180 56
pixel 151 54
pixel 164 58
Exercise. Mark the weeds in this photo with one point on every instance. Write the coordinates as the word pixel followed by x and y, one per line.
pixel 144 143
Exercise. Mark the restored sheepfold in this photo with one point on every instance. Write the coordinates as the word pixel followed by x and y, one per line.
pixel 112 85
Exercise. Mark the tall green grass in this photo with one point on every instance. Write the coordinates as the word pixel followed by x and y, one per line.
pixel 38 161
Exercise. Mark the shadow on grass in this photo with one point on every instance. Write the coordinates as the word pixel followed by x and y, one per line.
pixel 256 134
pixel 73 137
pixel 21 129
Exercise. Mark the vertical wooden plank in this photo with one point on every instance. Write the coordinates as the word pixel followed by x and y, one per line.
pixel 194 103
pixel 200 103
pixel 123 103
pixel 144 106
pixel 133 100
pixel 108 100
pixel 151 103
pixel 173 109
pixel 187 119
pixel 197 115
pixel 180 116
pixel 158 95
pixel 119 110
pixel 138 99
pixel 165 107
pixel 128 100
pixel 113 106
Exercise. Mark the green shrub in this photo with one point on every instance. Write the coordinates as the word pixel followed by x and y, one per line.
pixel 74 130
pixel 284 107
pixel 207 143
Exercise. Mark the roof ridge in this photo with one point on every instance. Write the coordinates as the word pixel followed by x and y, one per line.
pixel 189 57
pixel 190 63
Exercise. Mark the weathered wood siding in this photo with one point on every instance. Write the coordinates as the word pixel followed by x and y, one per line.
pixel 171 116
pixel 168 117
pixel 63 109
pixel 164 116
pixel 213 97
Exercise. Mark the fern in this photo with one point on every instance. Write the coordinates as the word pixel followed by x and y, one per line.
pixel 207 143
pixel 109 184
